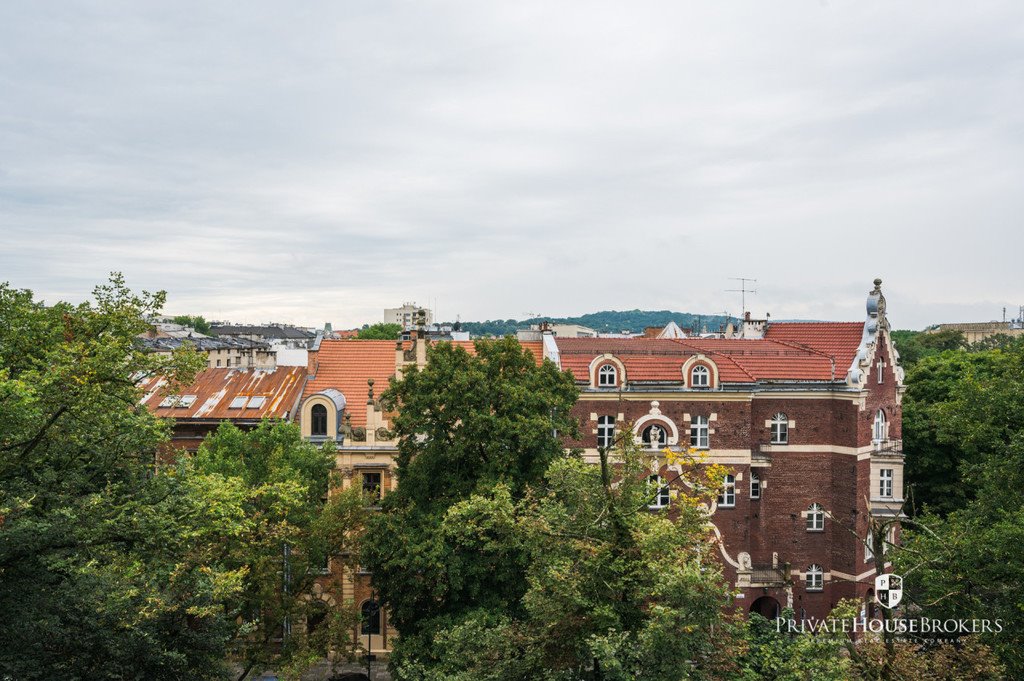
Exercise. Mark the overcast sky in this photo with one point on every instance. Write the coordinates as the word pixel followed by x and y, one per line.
pixel 319 161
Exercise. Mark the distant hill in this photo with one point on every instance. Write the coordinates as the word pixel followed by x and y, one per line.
pixel 608 321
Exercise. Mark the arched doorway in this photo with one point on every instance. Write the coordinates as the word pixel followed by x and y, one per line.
pixel 766 607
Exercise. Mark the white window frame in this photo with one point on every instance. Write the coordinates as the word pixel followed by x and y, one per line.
pixel 704 374
pixel 814 578
pixel 700 433
pixel 878 429
pixel 607 376
pixel 605 431
pixel 885 482
pixel 663 497
pixel 780 429
pixel 815 518
pixel 755 485
pixel 727 497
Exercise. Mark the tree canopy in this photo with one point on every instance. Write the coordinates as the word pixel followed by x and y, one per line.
pixel 465 423
pixel 112 567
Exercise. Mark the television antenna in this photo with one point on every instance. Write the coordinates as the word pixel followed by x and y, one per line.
pixel 743 290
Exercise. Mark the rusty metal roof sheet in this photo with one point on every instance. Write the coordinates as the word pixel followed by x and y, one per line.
pixel 230 393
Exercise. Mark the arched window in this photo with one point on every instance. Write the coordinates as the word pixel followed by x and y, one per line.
pixel 780 429
pixel 654 436
pixel 700 377
pixel 879 429
pixel 660 497
pixel 814 579
pixel 607 376
pixel 605 431
pixel 755 485
pixel 318 416
pixel 699 432
pixel 815 518
pixel 727 497
pixel 370 617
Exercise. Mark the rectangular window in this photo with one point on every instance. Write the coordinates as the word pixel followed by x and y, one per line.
pixel 755 485
pixel 727 497
pixel 885 483
pixel 371 487
pixel 699 433
pixel 186 402
pixel 257 402
pixel 660 497
pixel 238 402
pixel 605 431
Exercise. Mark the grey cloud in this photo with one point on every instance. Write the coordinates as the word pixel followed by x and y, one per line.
pixel 325 160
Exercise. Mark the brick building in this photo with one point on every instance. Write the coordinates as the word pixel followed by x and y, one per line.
pixel 807 418
pixel 805 415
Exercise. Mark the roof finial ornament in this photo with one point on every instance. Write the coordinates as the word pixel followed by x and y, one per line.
pixel 369 392
pixel 878 285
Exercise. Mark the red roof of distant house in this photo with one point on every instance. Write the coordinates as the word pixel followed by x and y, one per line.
pixel 227 393
pixel 819 351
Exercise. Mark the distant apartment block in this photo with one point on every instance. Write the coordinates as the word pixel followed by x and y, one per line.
pixel 408 316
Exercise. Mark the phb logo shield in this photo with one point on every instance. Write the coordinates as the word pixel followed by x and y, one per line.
pixel 888 590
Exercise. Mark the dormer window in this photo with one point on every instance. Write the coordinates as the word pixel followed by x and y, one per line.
pixel 700 377
pixel 780 429
pixel 318 420
pixel 607 376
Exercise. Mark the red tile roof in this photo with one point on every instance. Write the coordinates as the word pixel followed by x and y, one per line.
pixel 346 365
pixel 834 339
pixel 215 389
pixel 818 351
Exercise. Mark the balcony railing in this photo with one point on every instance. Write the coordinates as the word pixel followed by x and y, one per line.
pixel 767 575
pixel 887 448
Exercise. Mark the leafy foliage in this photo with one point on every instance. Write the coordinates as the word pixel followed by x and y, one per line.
pixel 467 423
pixel 380 331
pixel 112 568
pixel 615 592
pixel 967 564
pixel 283 521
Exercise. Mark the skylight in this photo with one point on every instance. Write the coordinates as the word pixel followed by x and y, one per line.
pixel 169 401
pixel 257 402
pixel 186 402
pixel 238 402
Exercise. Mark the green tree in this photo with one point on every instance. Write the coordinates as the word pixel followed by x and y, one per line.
pixel 83 583
pixel 968 564
pixel 614 591
pixel 197 322
pixel 380 331
pixel 287 524
pixel 465 423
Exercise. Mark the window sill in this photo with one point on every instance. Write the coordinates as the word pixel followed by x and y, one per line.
pixel 814 589
pixel 821 531
pixel 727 506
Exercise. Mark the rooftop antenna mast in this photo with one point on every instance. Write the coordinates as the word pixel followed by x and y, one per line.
pixel 743 290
